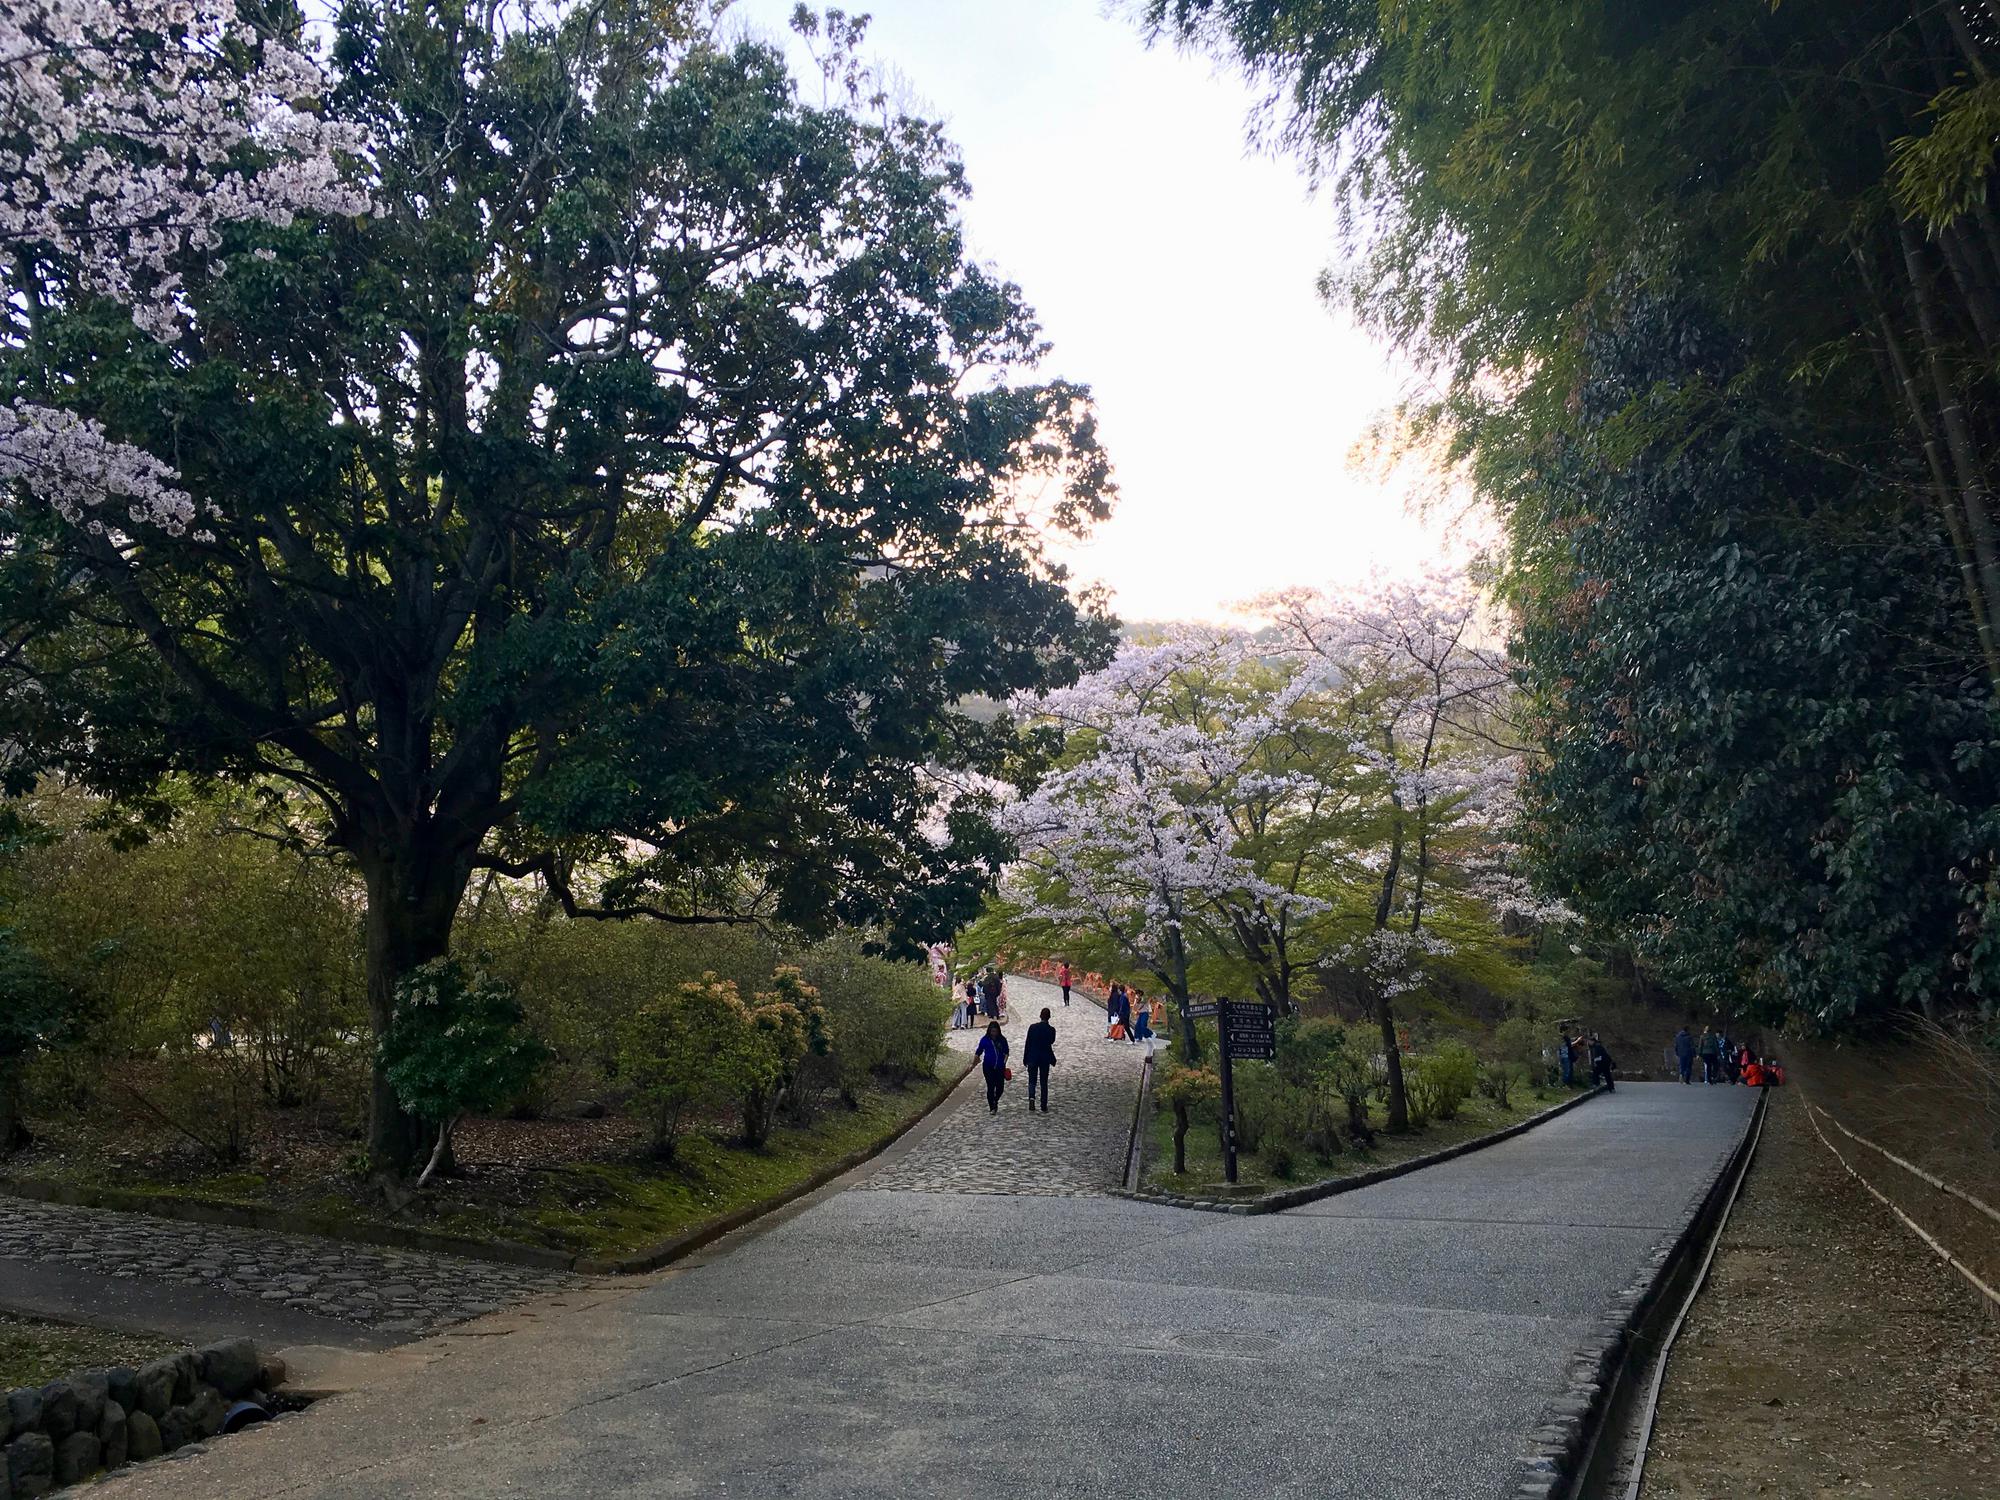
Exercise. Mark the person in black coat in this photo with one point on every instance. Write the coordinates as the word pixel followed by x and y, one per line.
pixel 1600 1064
pixel 1039 1053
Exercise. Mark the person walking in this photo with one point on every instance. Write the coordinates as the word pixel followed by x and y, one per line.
pixel 989 993
pixel 992 1054
pixel 1062 978
pixel 1038 1051
pixel 1710 1050
pixel 1684 1054
pixel 1565 1056
pixel 1600 1064
pixel 1142 1018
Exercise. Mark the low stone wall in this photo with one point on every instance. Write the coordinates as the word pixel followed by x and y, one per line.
pixel 71 1428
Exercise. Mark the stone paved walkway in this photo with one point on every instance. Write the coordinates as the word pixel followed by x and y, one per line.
pixel 1076 1149
pixel 388 1291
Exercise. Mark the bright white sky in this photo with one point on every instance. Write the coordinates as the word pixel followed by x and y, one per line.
pixel 1173 271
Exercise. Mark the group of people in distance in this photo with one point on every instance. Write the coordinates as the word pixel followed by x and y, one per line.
pixel 1129 1016
pixel 1591 1045
pixel 1723 1060
pixel 984 995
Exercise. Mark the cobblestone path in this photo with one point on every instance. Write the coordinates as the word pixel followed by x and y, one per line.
pixel 389 1291
pixel 1077 1149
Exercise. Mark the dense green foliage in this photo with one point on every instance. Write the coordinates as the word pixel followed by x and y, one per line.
pixel 626 500
pixel 1802 819
pixel 208 978
pixel 456 1046
pixel 1712 291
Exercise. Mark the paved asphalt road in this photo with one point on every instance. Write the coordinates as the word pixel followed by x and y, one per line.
pixel 1397 1341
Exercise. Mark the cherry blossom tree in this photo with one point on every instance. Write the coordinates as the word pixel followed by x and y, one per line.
pixel 1438 744
pixel 135 131
pixel 1132 836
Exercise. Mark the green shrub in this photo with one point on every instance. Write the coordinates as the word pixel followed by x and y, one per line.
pixel 1498 1080
pixel 1519 1042
pixel 455 1046
pixel 37 1014
pixel 887 1020
pixel 790 1025
pixel 691 1054
pixel 1438 1082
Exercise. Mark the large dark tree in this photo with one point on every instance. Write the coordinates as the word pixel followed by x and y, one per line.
pixel 627 499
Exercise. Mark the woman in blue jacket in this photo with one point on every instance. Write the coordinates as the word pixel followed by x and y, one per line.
pixel 992 1055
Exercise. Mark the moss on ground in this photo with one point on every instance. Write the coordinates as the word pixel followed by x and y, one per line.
pixel 1255 1171
pixel 605 1206
pixel 614 1208
pixel 33 1352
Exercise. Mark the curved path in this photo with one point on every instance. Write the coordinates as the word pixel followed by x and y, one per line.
pixel 1398 1341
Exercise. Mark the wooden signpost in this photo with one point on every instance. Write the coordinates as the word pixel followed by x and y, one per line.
pixel 1248 1033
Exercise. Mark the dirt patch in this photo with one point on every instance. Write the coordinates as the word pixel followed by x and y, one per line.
pixel 34 1351
pixel 1830 1354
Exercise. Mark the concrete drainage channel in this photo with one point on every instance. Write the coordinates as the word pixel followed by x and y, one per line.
pixel 97 1420
pixel 1597 1447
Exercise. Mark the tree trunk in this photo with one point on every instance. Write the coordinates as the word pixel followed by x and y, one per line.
pixel 1399 1102
pixel 412 901
pixel 1180 1138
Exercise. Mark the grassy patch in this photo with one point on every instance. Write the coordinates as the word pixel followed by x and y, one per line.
pixel 33 1352
pixel 1255 1170
pixel 579 1187
pixel 611 1208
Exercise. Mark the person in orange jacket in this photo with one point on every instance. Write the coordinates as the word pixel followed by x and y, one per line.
pixel 1753 1073
pixel 1774 1071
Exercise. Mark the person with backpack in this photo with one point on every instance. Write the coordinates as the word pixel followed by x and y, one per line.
pixel 1710 1049
pixel 992 1055
pixel 1039 1053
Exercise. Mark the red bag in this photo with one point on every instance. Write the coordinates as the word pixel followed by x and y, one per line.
pixel 1007 1073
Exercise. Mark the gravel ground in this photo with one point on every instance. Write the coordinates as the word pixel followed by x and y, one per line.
pixel 1831 1353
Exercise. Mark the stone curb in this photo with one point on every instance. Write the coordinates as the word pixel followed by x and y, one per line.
pixel 1570 1425
pixel 506 1252
pixel 1312 1192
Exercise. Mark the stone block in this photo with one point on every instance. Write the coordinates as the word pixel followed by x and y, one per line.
pixel 187 1376
pixel 24 1409
pixel 93 1389
pixel 207 1410
pixel 78 1456
pixel 271 1373
pixel 155 1382
pixel 31 1465
pixel 142 1437
pixel 58 1409
pixel 113 1432
pixel 176 1429
pixel 122 1386
pixel 230 1366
